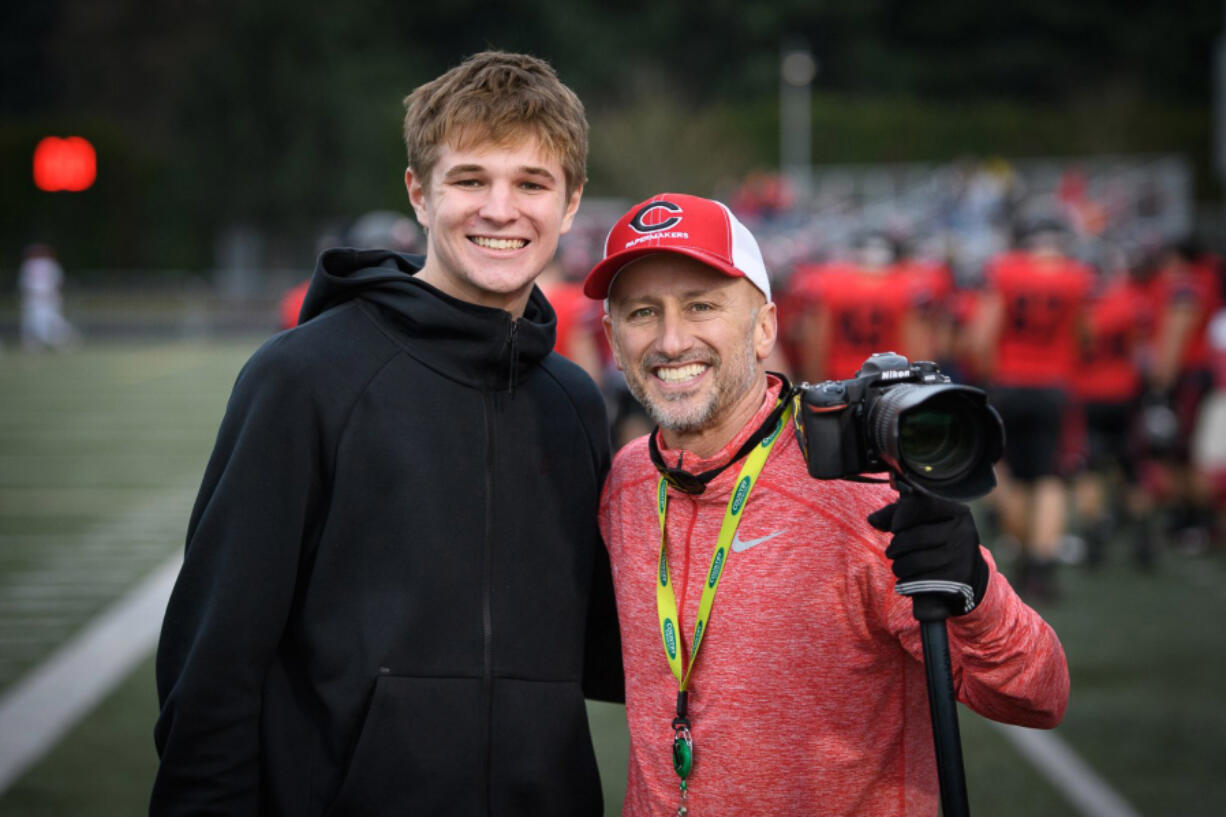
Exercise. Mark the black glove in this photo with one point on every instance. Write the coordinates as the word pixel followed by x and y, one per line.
pixel 935 553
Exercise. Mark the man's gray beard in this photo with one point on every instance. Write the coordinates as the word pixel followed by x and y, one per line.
pixel 703 414
pixel 681 425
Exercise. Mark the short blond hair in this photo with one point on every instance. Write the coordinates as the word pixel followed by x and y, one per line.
pixel 497 97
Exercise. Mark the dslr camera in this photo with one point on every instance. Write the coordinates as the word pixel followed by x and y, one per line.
pixel 907 418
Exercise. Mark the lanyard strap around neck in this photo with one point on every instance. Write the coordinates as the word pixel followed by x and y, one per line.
pixel 666 599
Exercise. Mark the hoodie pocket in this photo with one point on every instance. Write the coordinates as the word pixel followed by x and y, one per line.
pixel 419 751
pixel 542 762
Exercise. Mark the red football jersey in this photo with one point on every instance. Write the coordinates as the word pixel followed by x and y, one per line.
pixel 1043 299
pixel 291 304
pixel 930 283
pixel 866 312
pixel 1198 287
pixel 1117 324
pixel 794 305
pixel 576 313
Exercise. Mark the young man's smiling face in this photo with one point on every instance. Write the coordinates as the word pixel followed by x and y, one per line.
pixel 493 215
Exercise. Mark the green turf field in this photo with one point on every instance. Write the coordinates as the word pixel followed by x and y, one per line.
pixel 101 450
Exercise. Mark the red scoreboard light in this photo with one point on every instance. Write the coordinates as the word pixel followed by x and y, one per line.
pixel 68 164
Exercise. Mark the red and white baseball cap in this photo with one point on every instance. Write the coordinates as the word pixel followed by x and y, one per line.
pixel 703 229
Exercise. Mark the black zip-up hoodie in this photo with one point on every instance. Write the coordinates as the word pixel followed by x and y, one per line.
pixel 394 595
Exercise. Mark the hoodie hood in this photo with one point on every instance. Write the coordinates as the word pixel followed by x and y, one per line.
pixel 478 345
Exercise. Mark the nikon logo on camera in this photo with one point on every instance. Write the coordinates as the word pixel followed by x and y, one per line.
pixel 717 567
pixel 670 638
pixel 738 500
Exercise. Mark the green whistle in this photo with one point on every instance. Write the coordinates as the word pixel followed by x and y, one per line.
pixel 683 754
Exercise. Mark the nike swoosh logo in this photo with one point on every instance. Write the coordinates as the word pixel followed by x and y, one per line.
pixel 739 544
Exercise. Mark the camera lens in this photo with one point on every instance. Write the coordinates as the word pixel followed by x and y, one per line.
pixel 940 438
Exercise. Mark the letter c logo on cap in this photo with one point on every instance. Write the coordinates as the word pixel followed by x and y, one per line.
pixel 638 222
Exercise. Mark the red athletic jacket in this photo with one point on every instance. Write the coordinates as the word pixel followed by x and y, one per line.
pixel 809 694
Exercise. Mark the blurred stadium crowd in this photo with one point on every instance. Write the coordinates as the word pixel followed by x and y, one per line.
pixel 1070 291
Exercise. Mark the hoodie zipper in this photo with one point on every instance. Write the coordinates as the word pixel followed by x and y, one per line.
pixel 487 565
pixel 513 341
pixel 487 614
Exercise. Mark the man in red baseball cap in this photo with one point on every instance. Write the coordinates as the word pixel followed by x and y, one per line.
pixel 702 229
pixel 806 690
pixel 710 250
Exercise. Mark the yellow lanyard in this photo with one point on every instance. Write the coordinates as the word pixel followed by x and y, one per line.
pixel 666 600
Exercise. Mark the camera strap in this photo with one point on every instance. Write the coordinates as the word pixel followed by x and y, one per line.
pixel 666 600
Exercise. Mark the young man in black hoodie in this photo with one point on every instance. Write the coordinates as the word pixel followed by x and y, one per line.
pixel 395 596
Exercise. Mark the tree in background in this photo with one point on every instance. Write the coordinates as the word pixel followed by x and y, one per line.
pixel 284 114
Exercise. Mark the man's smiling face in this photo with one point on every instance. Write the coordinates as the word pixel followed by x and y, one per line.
pixel 691 341
pixel 493 215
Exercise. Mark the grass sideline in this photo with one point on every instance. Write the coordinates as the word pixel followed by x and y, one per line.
pixel 86 437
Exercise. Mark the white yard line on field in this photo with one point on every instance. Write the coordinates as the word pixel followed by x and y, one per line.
pixel 47 702
pixel 1064 769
